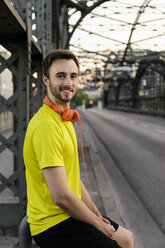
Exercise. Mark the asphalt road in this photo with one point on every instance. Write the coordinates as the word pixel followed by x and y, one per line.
pixel 132 149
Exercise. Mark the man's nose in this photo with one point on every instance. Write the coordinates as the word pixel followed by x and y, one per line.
pixel 68 80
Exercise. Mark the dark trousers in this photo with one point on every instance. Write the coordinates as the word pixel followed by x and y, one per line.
pixel 72 233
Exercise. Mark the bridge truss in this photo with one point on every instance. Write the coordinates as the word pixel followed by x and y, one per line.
pixel 29 29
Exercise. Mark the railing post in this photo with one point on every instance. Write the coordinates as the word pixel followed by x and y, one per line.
pixel 25 239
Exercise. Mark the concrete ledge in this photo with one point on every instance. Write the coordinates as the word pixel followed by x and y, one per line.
pixel 138 111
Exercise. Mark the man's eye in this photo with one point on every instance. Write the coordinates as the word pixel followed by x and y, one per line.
pixel 61 76
pixel 73 76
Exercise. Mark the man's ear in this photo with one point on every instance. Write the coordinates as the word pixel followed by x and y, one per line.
pixel 45 80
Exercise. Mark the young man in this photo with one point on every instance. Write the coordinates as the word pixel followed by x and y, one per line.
pixel 59 207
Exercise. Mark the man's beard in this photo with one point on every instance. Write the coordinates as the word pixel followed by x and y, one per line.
pixel 56 93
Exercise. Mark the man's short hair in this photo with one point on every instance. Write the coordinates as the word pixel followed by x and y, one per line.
pixel 57 54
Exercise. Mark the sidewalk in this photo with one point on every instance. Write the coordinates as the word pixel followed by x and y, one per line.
pixel 100 185
pixel 101 189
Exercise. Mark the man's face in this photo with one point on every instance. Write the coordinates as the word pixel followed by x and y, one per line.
pixel 63 80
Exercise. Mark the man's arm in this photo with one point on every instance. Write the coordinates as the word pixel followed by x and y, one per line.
pixel 64 198
pixel 87 200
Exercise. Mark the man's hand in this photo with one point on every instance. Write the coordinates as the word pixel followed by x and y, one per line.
pixel 106 227
pixel 105 220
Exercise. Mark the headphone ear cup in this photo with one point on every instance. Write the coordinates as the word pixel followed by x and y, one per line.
pixel 76 116
pixel 70 115
pixel 67 115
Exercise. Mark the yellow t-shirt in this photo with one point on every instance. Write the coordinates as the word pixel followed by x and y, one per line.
pixel 49 142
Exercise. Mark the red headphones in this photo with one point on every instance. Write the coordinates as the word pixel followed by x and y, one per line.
pixel 67 115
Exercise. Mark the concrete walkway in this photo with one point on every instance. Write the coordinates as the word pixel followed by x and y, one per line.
pixel 101 188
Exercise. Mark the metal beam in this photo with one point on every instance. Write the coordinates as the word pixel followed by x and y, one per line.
pixel 16 22
pixel 148 38
pixel 103 36
pixel 78 6
pixel 9 215
pixel 141 10
pixel 83 14
pixel 113 19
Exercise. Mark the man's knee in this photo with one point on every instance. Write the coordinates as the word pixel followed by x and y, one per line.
pixel 130 239
pixel 124 237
